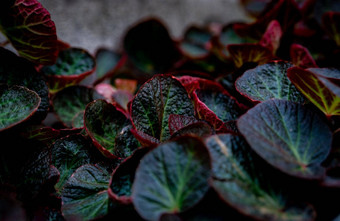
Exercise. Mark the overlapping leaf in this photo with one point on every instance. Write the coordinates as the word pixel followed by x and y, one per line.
pixel 268 81
pixel 301 57
pixel 171 178
pixel 289 136
pixel 331 23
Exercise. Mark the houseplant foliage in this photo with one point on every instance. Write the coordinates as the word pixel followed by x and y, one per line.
pixel 234 121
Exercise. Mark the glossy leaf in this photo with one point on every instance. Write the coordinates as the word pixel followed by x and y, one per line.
pixel 331 23
pixel 171 178
pixel 17 104
pixel 18 71
pixel 242 184
pixel 271 38
pixel 315 90
pixel 301 57
pixel 249 53
pixel 268 81
pixel 68 154
pixel 69 102
pixel 109 129
pixel 85 193
pixel 289 136
pixel 155 101
pixel 28 26
pixel 145 45
pixel 71 67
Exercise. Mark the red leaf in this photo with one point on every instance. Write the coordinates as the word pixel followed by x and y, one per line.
pixel 301 57
pixel 271 38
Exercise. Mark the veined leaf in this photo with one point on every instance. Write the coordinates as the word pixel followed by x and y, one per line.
pixel 271 38
pixel 301 57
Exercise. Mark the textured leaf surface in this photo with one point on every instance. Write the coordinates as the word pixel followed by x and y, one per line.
pixel 18 71
pixel 171 178
pixel 109 129
pixel 177 122
pixel 315 90
pixel 28 26
pixel 246 53
pixel 301 57
pixel 268 81
pixel 289 136
pixel 69 102
pixel 199 129
pixel 68 154
pixel 17 104
pixel 150 47
pixel 155 101
pixel 85 193
pixel 72 66
pixel 331 73
pixel 243 185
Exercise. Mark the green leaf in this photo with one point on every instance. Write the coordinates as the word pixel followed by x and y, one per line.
pixel 85 193
pixel 70 101
pixel 242 184
pixel 268 81
pixel 155 101
pixel 289 136
pixel 68 154
pixel 17 104
pixel 171 178
pixel 15 70
pixel 28 26
pixel 109 129
pixel 315 90
pixel 196 42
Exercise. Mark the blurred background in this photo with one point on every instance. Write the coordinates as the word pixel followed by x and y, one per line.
pixel 90 24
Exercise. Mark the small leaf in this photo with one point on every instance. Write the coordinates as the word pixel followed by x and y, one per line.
pixel 28 26
pixel 71 67
pixel 177 122
pixel 268 81
pixel 301 57
pixel 198 129
pixel 171 178
pixel 109 129
pixel 85 194
pixel 17 104
pixel 289 136
pixel 242 183
pixel 271 38
pixel 331 23
pixel 70 101
pixel 315 90
pixel 155 101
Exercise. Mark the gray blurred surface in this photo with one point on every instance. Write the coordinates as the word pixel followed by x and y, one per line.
pixel 91 24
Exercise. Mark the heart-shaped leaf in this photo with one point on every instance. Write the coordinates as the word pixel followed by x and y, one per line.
pixel 28 26
pixel 71 67
pixel 155 101
pixel 331 23
pixel 17 104
pixel 15 70
pixel 242 184
pixel 289 136
pixel 145 45
pixel 70 101
pixel 85 194
pixel 315 90
pixel 171 178
pixel 109 129
pixel 68 154
pixel 301 57
pixel 268 81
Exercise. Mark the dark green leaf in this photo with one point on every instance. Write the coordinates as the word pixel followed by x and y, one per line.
pixel 268 81
pixel 196 42
pixel 289 136
pixel 171 178
pixel 155 101
pixel 17 104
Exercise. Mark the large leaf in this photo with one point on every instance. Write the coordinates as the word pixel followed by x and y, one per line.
pixel 17 104
pixel 243 184
pixel 18 71
pixel 71 67
pixel 68 154
pixel 149 46
pixel 155 101
pixel 69 102
pixel 333 74
pixel 28 26
pixel 171 178
pixel 268 81
pixel 289 136
pixel 326 99
pixel 85 193
pixel 109 129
